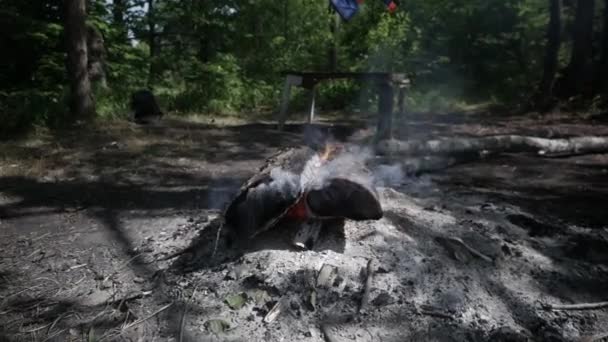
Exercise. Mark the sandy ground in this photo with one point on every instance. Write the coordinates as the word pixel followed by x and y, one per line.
pixel 87 217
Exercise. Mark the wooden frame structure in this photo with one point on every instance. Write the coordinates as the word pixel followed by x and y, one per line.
pixel 384 81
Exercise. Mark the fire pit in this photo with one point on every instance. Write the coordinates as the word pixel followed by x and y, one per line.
pixel 305 188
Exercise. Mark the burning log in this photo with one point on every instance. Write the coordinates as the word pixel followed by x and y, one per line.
pixel 304 187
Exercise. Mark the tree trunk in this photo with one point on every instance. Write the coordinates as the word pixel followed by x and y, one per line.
pixel 82 105
pixel 495 144
pixel 602 72
pixel 119 9
pixel 545 90
pixel 96 56
pixel 333 44
pixel 151 42
pixel 579 71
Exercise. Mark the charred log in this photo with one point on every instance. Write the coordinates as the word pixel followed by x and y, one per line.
pixel 345 198
pixel 296 186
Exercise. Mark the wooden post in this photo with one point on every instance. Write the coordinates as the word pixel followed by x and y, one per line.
pixel 290 80
pixel 284 103
pixel 311 108
pixel 385 110
pixel 401 101
pixel 402 120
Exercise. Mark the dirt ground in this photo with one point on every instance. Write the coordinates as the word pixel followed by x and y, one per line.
pixel 87 217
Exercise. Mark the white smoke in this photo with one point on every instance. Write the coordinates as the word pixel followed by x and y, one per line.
pixel 389 175
pixel 285 182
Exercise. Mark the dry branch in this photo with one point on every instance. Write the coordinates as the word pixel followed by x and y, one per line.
pixel 368 285
pixel 138 322
pixel 182 323
pixel 436 314
pixel 496 144
pixel 580 306
pixel 470 249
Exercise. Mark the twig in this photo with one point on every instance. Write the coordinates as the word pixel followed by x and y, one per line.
pixel 41 237
pixel 182 323
pixel 21 291
pixel 368 286
pixel 130 260
pixel 217 238
pixel 31 331
pixel 57 321
pixel 470 249
pixel 125 299
pixel 173 255
pixel 436 314
pixel 139 321
pixel 581 306
pixel 55 335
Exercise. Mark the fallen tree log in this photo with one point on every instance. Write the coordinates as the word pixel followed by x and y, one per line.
pixel 495 144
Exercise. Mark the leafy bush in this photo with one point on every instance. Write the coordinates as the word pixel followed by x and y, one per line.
pixel 21 110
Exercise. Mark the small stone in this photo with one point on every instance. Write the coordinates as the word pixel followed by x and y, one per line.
pixel 294 305
pixel 105 284
pixel 231 275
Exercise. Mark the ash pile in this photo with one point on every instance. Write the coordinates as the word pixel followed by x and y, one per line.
pixel 300 199
pixel 302 192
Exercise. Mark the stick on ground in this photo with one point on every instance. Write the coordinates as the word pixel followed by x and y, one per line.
pixel 182 323
pixel 580 306
pixel 368 285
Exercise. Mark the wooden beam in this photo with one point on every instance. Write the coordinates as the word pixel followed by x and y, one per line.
pixel 385 111
pixel 311 107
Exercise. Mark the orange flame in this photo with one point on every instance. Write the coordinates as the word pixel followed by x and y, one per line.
pixel 328 151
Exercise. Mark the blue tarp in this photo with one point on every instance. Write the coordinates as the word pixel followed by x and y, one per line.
pixel 346 8
pixel 349 8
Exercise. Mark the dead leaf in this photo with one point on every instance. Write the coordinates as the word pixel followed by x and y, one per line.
pixel 260 297
pixel 236 301
pixel 312 300
pixel 327 275
pixel 217 326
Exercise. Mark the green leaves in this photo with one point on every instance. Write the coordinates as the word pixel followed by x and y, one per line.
pixel 217 326
pixel 236 301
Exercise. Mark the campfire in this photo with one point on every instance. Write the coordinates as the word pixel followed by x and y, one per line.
pixel 305 188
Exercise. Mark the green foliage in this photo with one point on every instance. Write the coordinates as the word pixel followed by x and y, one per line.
pixel 21 110
pixel 226 56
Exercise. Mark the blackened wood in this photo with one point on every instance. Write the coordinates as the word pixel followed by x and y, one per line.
pixel 244 215
pixel 345 198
